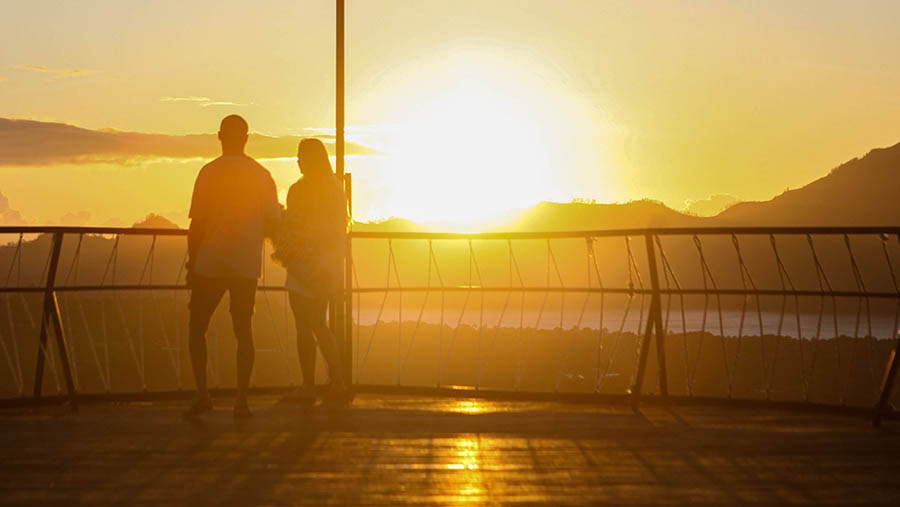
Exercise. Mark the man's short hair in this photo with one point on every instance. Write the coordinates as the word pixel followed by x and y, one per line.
pixel 233 126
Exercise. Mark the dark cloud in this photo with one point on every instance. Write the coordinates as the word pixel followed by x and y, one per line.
pixel 35 143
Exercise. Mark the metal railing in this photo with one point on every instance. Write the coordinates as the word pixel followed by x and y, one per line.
pixel 686 283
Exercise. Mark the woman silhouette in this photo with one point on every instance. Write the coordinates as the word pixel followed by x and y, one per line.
pixel 311 246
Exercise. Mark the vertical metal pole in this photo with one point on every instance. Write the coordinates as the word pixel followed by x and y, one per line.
pixel 42 344
pixel 657 317
pixel 654 320
pixel 48 288
pixel 348 287
pixel 56 319
pixel 51 316
pixel 339 90
pixel 336 314
pixel 887 384
pixel 642 360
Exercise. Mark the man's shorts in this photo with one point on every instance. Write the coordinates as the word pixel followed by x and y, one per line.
pixel 207 292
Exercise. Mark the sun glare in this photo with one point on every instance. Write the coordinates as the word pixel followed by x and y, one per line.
pixel 484 138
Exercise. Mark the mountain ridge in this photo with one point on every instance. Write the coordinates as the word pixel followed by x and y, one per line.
pixel 862 191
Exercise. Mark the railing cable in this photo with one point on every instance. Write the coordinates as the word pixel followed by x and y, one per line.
pixel 601 376
pixel 380 309
pixel 509 260
pixel 412 338
pixel 861 287
pixel 15 366
pixel 707 274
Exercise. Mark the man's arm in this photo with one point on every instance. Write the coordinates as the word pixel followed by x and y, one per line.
pixel 195 237
pixel 196 231
pixel 273 209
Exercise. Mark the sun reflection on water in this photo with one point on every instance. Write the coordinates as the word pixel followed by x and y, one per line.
pixel 467 478
pixel 471 406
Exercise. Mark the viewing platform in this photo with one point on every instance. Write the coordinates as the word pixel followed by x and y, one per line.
pixel 421 450
pixel 650 366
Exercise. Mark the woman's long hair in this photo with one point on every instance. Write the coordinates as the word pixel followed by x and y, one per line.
pixel 316 207
pixel 314 158
pixel 324 190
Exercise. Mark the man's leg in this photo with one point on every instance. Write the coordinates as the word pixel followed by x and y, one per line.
pixel 243 295
pixel 245 355
pixel 205 296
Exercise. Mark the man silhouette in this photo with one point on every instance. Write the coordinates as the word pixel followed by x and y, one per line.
pixel 233 208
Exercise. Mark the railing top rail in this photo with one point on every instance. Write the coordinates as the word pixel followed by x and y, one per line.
pixel 657 231
pixel 52 229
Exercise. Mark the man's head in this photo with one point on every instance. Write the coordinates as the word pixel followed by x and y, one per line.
pixel 233 134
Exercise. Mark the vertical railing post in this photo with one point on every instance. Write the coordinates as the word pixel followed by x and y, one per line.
pixel 336 313
pixel 887 383
pixel 654 320
pixel 657 317
pixel 339 89
pixel 347 346
pixel 642 360
pixel 51 317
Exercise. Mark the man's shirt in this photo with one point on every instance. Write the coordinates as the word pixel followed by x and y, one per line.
pixel 234 197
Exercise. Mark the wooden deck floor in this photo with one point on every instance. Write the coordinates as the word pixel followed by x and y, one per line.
pixel 413 450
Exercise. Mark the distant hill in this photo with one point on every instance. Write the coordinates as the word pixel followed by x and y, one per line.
pixel 863 191
pixel 391 224
pixel 549 216
pixel 154 221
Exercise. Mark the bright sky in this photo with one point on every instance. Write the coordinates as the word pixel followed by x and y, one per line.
pixel 476 107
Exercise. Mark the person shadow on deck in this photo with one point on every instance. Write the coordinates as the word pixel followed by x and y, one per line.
pixel 233 208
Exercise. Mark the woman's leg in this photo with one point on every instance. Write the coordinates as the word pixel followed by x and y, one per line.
pixel 327 343
pixel 306 344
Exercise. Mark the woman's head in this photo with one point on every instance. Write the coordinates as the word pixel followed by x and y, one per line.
pixel 312 158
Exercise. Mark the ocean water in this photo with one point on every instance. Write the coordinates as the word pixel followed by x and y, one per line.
pixel 883 326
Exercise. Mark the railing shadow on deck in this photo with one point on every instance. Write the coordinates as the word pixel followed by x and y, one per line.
pixel 817 307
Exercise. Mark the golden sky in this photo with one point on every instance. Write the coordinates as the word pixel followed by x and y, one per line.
pixel 500 103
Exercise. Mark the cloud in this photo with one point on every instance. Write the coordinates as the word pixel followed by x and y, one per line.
pixel 35 143
pixel 9 216
pixel 192 98
pixel 203 101
pixel 711 206
pixel 223 103
pixel 51 70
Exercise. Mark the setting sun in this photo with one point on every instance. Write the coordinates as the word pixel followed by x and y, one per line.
pixel 479 136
